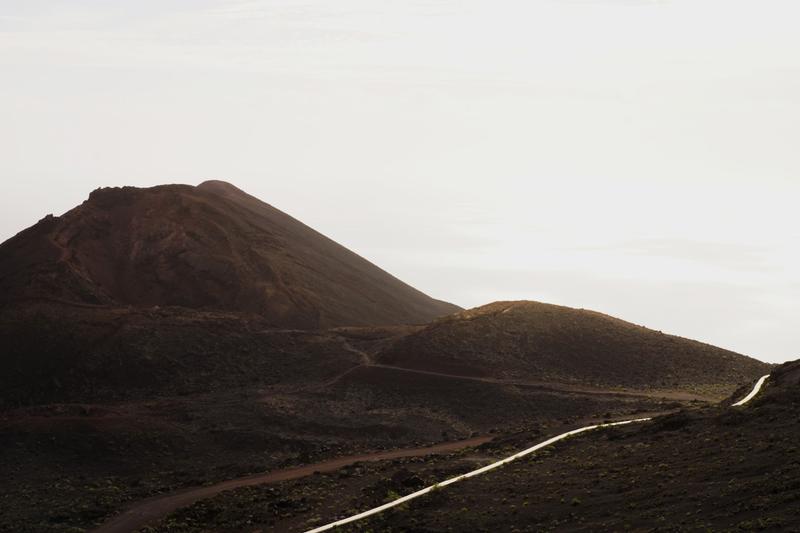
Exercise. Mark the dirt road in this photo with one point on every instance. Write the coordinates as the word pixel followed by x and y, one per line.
pixel 502 462
pixel 152 509
pixel 549 386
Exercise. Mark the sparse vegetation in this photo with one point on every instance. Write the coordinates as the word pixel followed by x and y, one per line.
pixel 127 375
pixel 549 343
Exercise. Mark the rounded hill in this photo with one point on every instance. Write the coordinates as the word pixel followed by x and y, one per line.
pixel 536 341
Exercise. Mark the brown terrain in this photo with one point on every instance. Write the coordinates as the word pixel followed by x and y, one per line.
pixel 158 341
pixel 152 509
pixel 206 247
pixel 703 468
pixel 524 340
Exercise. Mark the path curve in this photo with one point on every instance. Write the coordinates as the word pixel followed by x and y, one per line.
pixel 498 464
pixel 148 511
pixel 156 507
pixel 542 385
pixel 367 361
pixel 546 386
pixel 756 389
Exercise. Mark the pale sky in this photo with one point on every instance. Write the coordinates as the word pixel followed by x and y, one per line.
pixel 639 158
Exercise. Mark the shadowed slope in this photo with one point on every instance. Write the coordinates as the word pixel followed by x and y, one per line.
pixel 209 247
pixel 712 469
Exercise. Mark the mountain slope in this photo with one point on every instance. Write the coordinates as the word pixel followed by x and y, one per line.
pixel 535 341
pixel 710 469
pixel 206 247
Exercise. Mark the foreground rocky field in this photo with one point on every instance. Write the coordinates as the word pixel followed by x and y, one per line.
pixel 716 468
pixel 105 407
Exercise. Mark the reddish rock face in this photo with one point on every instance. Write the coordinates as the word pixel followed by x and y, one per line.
pixel 206 247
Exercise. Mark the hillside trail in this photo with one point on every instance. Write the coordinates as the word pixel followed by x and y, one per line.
pixel 498 464
pixel 367 360
pixel 152 509
pixel 558 387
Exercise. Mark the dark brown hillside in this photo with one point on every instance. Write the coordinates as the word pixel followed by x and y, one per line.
pixel 100 405
pixel 57 354
pixel 703 468
pixel 709 469
pixel 206 247
pixel 535 341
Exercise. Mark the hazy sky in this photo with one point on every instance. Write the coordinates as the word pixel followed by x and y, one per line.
pixel 640 158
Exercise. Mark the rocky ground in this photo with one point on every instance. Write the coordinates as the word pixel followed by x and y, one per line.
pixel 104 407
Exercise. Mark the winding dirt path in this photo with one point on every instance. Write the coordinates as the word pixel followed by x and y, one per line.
pixel 502 462
pixel 368 361
pixel 152 509
pixel 560 387
pixel 545 386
